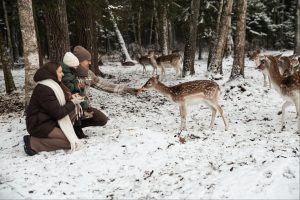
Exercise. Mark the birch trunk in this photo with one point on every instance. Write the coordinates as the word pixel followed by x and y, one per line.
pixel 119 35
pixel 239 44
pixel 30 47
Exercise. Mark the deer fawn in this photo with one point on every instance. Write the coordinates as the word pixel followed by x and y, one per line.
pixel 172 60
pixel 287 87
pixel 193 92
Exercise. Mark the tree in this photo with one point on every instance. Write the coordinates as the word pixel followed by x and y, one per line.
pixel 239 43
pixel 86 31
pixel 297 34
pixel 191 37
pixel 57 29
pixel 163 28
pixel 30 47
pixel 213 37
pixel 7 64
pixel 118 34
pixel 218 50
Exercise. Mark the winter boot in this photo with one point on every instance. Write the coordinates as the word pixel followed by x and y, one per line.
pixel 27 148
pixel 79 132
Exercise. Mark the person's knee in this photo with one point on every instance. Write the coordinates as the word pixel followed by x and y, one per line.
pixel 100 118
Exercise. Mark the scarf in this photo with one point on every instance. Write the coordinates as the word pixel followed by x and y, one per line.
pixel 64 123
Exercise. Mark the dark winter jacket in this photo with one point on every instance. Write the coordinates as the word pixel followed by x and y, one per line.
pixel 44 109
pixel 69 78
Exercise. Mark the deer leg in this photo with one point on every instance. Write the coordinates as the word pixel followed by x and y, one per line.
pixel 297 104
pixel 222 115
pixel 213 116
pixel 284 106
pixel 265 80
pixel 162 72
pixel 270 85
pixel 182 108
pixel 144 69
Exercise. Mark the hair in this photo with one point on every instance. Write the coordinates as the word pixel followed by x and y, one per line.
pixel 52 67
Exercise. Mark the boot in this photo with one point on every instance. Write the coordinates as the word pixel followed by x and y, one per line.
pixel 79 132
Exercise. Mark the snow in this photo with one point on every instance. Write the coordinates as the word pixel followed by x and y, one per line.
pixel 138 153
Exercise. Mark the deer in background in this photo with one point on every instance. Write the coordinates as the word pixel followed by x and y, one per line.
pixel 173 60
pixel 287 87
pixel 145 60
pixel 255 56
pixel 188 93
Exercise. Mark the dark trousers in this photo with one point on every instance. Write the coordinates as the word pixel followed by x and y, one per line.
pixel 98 119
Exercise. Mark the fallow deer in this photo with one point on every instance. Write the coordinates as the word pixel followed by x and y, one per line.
pixel 144 60
pixel 255 56
pixel 188 93
pixel 172 61
pixel 287 87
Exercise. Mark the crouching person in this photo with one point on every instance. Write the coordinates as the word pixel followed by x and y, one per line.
pixel 51 113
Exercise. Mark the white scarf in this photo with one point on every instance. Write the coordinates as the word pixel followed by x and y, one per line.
pixel 65 122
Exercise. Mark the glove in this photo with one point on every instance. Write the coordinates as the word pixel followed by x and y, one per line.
pixel 77 99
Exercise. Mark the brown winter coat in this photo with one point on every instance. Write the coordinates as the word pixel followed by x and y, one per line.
pixel 44 109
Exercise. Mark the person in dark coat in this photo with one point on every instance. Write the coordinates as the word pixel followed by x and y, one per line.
pixel 70 79
pixel 50 113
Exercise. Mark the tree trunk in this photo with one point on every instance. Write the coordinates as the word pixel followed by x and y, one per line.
pixel 151 24
pixel 156 27
pixel 119 35
pixel 191 38
pixel 57 29
pixel 170 34
pixel 212 40
pixel 86 31
pixel 297 32
pixel 218 50
pixel 14 33
pixel 239 44
pixel 139 32
pixel 40 43
pixel 163 29
pixel 7 64
pixel 30 47
pixel 10 48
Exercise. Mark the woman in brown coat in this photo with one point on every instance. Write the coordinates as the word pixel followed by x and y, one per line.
pixel 50 113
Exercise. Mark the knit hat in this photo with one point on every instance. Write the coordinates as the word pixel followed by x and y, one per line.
pixel 82 54
pixel 71 60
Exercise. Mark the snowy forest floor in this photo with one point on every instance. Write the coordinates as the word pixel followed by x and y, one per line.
pixel 137 154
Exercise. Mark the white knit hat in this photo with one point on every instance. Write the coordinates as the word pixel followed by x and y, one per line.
pixel 71 60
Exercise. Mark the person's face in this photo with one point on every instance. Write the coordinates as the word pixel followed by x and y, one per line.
pixel 59 73
pixel 85 64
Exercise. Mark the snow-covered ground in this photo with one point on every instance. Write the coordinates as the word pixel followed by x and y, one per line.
pixel 138 153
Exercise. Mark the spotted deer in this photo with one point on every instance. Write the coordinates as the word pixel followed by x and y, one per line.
pixel 173 60
pixel 287 87
pixel 188 93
